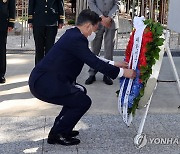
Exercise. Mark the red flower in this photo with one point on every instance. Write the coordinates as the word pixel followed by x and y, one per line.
pixel 129 47
pixel 147 37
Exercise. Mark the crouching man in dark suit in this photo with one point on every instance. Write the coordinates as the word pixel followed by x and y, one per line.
pixel 53 79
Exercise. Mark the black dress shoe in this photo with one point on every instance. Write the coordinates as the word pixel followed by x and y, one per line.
pixel 62 139
pixel 107 80
pixel 90 80
pixel 74 133
pixel 2 79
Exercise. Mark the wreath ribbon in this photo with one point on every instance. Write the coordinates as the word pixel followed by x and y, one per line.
pixel 132 63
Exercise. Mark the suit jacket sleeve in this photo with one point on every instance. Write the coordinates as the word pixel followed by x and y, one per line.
pixel 83 53
pixel 115 8
pixel 93 7
pixel 61 11
pixel 12 12
pixel 31 10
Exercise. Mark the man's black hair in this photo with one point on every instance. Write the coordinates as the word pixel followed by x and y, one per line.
pixel 88 16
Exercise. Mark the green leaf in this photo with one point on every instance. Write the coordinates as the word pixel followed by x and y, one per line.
pixel 160 42
pixel 153 61
pixel 153 30
pixel 148 58
pixel 142 91
pixel 158 49
pixel 146 21
pixel 159 30
pixel 156 54
pixel 150 71
pixel 143 69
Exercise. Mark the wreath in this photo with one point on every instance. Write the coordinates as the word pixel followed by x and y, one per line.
pixel 149 53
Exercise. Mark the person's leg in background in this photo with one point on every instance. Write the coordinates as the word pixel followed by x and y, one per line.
pixel 39 39
pixel 51 32
pixel 3 40
pixel 109 41
pixel 95 48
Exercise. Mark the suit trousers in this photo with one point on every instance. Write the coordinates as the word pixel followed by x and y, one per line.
pixel 74 107
pixel 3 40
pixel 44 37
pixel 109 40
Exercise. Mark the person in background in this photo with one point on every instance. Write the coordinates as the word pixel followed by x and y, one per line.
pixel 108 11
pixel 73 6
pixel 45 17
pixel 53 79
pixel 7 19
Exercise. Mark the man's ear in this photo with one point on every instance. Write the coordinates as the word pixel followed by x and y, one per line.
pixel 87 29
pixel 95 27
pixel 87 25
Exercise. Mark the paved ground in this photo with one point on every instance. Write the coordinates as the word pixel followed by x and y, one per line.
pixel 25 121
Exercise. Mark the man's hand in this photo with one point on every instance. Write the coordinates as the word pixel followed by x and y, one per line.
pixel 10 29
pixel 60 26
pixel 121 64
pixel 103 20
pixel 30 25
pixel 106 21
pixel 129 73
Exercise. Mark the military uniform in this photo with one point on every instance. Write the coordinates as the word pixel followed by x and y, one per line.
pixel 7 18
pixel 45 16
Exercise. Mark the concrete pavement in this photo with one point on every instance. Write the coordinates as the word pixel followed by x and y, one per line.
pixel 26 121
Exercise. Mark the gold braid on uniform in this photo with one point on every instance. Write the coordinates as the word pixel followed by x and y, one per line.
pixel 30 17
pixel 61 17
pixel 11 20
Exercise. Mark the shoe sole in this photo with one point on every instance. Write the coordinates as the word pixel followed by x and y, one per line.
pixel 56 142
pixel 108 83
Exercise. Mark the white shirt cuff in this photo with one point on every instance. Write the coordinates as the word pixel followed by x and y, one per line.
pixel 111 62
pixel 106 60
pixel 121 72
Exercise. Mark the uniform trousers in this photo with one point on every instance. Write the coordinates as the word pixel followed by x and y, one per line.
pixel 44 37
pixel 3 40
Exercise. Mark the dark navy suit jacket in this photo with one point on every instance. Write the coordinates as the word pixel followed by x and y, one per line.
pixel 7 14
pixel 55 74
